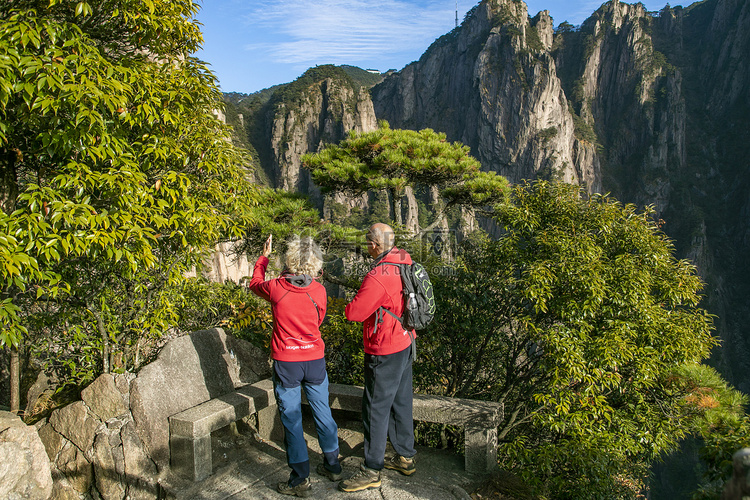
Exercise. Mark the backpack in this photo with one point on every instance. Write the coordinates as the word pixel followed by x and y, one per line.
pixel 419 299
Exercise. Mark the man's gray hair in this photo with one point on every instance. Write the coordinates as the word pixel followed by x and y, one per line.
pixel 303 256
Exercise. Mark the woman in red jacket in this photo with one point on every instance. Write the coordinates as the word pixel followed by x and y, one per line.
pixel 299 306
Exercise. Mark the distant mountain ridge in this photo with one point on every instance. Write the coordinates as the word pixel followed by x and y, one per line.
pixel 652 107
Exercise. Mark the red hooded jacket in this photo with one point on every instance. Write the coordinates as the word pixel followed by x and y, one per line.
pixel 382 288
pixel 298 312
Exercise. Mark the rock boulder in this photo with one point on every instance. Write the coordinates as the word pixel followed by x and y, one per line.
pixel 24 466
pixel 188 371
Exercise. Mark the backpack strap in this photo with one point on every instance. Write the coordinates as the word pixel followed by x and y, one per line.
pixel 399 318
pixel 381 309
pixel 379 317
pixel 317 309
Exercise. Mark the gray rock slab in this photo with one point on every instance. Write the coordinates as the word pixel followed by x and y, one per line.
pixel 252 364
pixel 62 491
pixel 52 441
pixel 103 398
pixel 41 385
pixel 108 482
pixel 72 463
pixel 24 465
pixel 139 468
pixel 76 424
pixel 738 488
pixel 188 371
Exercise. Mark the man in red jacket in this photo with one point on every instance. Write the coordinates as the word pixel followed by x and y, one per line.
pixel 388 395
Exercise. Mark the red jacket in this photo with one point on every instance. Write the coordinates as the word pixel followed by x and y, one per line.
pixel 382 287
pixel 296 320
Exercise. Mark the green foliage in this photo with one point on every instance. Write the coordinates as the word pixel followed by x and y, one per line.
pixel 459 351
pixel 252 321
pixel 550 173
pixel 439 436
pixel 292 92
pixel 284 214
pixel 120 179
pixel 533 41
pixel 520 72
pixel 199 303
pixel 564 28
pixel 614 313
pixel 505 16
pixel 362 77
pixel 387 159
pixel 577 319
pixel 718 416
pixel 582 129
pixel 379 209
pixel 345 356
pixel 547 134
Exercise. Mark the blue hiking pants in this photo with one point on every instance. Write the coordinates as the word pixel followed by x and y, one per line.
pixel 289 401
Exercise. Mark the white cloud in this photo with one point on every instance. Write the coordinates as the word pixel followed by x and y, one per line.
pixel 336 31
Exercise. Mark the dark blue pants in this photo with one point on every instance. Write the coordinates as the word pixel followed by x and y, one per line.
pixel 387 406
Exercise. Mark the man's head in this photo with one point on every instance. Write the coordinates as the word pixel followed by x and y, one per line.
pixel 380 238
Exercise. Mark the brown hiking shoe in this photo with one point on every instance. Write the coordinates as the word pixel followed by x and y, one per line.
pixel 364 479
pixel 402 464
pixel 333 476
pixel 303 489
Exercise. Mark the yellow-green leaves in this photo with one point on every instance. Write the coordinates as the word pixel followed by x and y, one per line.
pixel 83 9
pixel 122 174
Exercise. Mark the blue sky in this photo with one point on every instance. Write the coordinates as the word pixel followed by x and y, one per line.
pixel 254 44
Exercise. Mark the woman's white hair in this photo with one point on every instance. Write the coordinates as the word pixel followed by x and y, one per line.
pixel 303 256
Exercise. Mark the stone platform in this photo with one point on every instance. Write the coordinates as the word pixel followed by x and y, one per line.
pixel 248 467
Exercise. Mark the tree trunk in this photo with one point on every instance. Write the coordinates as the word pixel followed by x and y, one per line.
pixel 8 197
pixel 15 380
pixel 105 340
pixel 412 211
pixel 9 180
pixel 396 207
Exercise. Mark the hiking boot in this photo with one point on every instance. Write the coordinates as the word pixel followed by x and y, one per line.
pixel 333 476
pixel 362 480
pixel 303 489
pixel 402 464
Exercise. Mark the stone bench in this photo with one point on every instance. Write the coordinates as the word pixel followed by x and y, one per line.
pixel 480 420
pixel 190 430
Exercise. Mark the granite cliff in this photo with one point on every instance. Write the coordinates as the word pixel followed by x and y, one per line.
pixel 650 106
pixel 318 108
pixel 492 84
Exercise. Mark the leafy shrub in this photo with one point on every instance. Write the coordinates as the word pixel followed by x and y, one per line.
pixel 252 321
pixel 345 355
pixel 576 319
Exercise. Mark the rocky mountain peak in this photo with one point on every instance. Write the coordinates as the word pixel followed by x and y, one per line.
pixel 652 107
